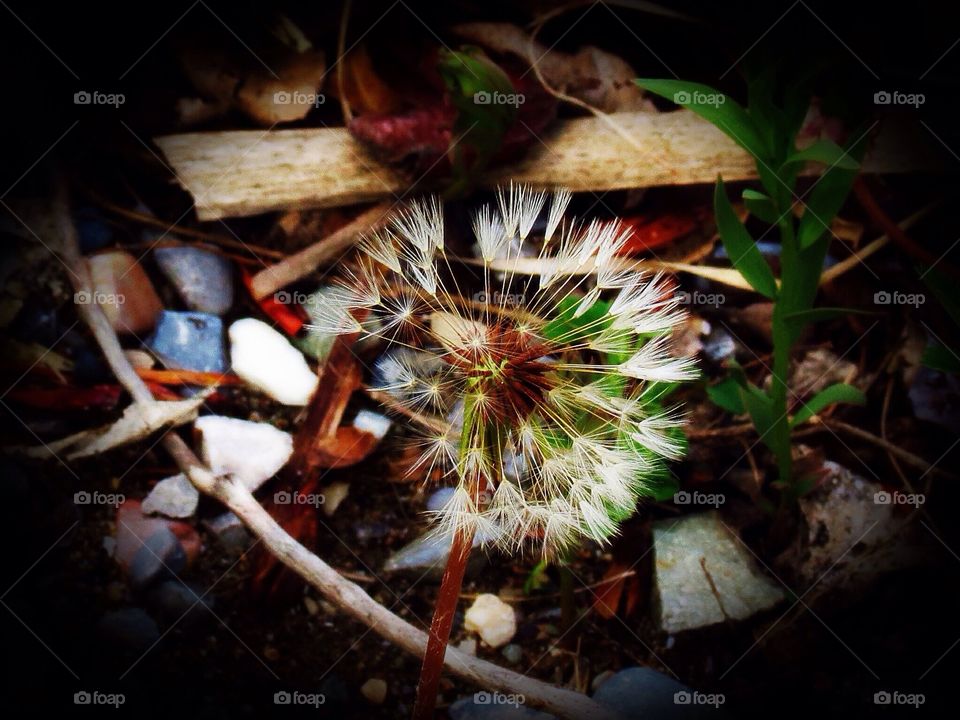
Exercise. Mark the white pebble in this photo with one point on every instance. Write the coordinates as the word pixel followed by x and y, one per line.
pixel 265 359
pixel 375 690
pixel 492 619
pixel 251 452
pixel 374 423
pixel 174 497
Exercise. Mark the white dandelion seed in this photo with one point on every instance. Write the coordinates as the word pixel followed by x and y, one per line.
pixel 655 362
pixel 520 207
pixel 538 423
pixel 490 233
pixel 561 199
pixel 380 246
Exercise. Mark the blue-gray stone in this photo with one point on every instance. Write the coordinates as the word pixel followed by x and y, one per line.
pixel 719 345
pixel 230 531
pixel 512 653
pixel 203 279
pixel 94 231
pixel 640 692
pixel 438 499
pixel 494 706
pixel 935 397
pixel 190 341
pixel 130 628
pixel 160 553
pixel 429 553
pixel 391 368
pixel 175 602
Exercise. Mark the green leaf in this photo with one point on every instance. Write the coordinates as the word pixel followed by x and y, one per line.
pixel 940 357
pixel 803 318
pixel 826 198
pixel 760 206
pixel 715 107
pixel 826 152
pixel 740 246
pixel 479 127
pixel 761 86
pixel 654 393
pixel 537 578
pixel 662 488
pixel 839 393
pixel 803 485
pixel 814 315
pixel 565 325
pixel 759 406
pixel 726 394
pixel 796 96
pixel 800 280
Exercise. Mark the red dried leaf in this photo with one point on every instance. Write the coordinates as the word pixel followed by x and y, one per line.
pixel 320 443
pixel 187 377
pixel 346 447
pixel 290 318
pixel 651 233
pixel 162 392
pixel 607 595
pixel 421 137
pixel 99 397
pixel 271 581
pixel 632 592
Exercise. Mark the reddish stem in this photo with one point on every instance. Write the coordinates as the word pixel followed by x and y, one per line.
pixel 446 606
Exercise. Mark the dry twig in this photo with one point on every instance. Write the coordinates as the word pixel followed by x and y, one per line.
pixel 346 595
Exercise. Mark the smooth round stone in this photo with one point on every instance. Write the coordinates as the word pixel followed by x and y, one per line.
pixel 174 602
pixel 492 619
pixel 230 532
pixel 641 692
pixel 160 553
pixel 190 341
pixel 439 498
pixel 203 279
pixel 374 690
pixel 334 494
pixel 494 706
pixel 130 628
pixel 123 291
pixel 265 359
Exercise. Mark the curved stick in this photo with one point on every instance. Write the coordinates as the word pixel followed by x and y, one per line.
pixel 343 593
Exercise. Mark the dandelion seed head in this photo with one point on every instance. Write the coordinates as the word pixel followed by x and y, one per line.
pixel 536 404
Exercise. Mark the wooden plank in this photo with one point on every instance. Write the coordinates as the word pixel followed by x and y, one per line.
pixel 239 173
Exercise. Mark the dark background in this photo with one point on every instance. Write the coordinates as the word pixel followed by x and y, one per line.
pixel 863 47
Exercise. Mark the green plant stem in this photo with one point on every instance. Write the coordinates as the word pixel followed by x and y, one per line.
pixel 782 347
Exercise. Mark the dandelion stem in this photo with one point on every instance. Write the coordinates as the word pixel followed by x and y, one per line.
pixel 441 624
pixel 449 594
